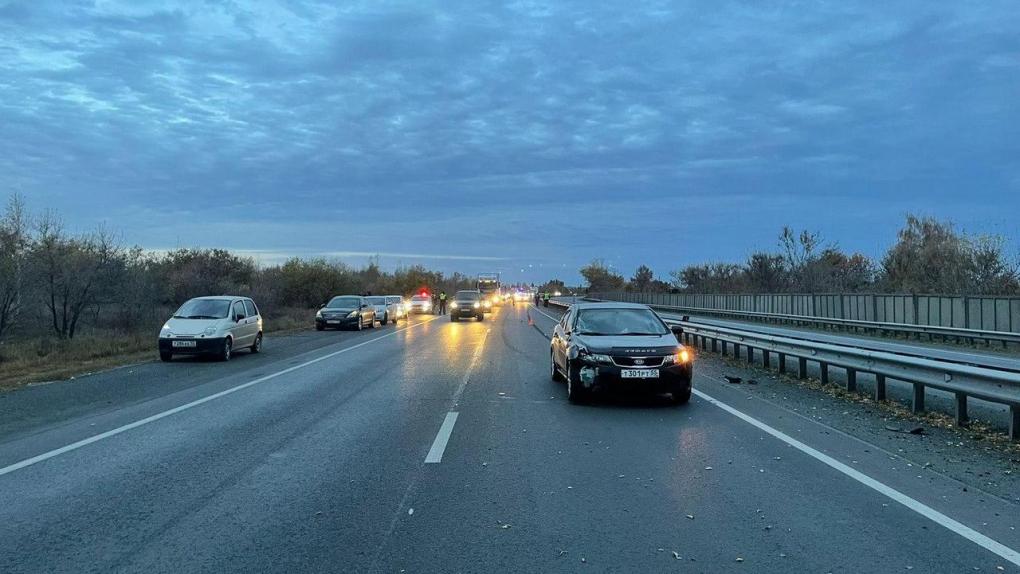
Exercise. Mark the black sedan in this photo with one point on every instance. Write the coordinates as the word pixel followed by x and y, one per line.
pixel 345 311
pixel 618 345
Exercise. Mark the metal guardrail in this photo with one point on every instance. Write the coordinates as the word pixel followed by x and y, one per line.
pixel 963 381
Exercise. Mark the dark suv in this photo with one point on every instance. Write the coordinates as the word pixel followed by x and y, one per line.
pixel 619 345
pixel 467 304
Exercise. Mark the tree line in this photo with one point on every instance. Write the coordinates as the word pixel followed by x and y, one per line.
pixel 929 256
pixel 52 280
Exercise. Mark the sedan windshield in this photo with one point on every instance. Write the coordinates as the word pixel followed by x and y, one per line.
pixel 375 300
pixel 343 303
pixel 619 322
pixel 203 309
pixel 468 296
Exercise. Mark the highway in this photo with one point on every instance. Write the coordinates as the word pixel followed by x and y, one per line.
pixel 444 447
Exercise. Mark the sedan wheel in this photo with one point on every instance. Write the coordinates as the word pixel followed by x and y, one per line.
pixel 554 373
pixel 257 346
pixel 227 350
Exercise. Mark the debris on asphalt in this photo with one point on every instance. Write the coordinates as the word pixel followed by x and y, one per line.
pixel 732 380
pixel 915 430
pixel 708 468
pixel 502 394
pixel 739 559
pixel 410 511
pixel 752 382
pixel 690 516
pixel 677 556
pixel 563 553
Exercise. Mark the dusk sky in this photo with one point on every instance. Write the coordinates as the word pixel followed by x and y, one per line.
pixel 533 136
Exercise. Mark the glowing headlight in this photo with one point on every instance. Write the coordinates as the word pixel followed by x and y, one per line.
pixel 682 357
pixel 453 305
pixel 487 304
pixel 476 305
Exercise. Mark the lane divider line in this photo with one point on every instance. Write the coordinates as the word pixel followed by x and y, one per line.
pixel 122 429
pixel 442 438
pixel 928 512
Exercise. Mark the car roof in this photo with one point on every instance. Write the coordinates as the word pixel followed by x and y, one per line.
pixel 608 305
pixel 221 297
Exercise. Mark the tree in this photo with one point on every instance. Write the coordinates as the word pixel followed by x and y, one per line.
pixel 600 278
pixel 15 238
pixel 642 280
pixel 929 256
pixel 766 272
pixel 72 271
pixel 710 278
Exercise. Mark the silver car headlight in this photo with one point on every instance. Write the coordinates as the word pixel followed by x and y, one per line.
pixel 209 331
pixel 318 314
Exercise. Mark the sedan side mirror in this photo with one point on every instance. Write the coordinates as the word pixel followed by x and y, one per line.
pixel 241 318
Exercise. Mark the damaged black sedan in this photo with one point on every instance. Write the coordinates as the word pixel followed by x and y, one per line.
pixel 625 346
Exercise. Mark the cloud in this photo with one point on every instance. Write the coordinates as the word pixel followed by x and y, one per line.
pixel 397 125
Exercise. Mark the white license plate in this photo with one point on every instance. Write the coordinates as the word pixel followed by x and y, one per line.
pixel 183 344
pixel 332 322
pixel 639 373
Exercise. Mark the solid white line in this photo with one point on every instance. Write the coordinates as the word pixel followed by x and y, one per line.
pixel 543 312
pixel 913 504
pixel 439 445
pixel 193 404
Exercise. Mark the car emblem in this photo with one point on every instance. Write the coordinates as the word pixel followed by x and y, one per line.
pixel 639 361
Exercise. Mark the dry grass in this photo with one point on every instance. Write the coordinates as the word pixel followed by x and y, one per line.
pixel 45 358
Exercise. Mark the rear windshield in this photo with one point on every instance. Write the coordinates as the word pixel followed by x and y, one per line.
pixel 203 309
pixel 344 303
pixel 467 295
pixel 375 300
pixel 619 322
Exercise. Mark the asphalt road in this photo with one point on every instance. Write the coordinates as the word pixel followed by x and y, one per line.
pixel 444 447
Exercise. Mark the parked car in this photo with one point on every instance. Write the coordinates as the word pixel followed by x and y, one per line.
pixel 622 345
pixel 420 304
pixel 345 311
pixel 212 326
pixel 399 307
pixel 386 309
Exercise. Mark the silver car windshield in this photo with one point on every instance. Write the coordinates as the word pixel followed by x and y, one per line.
pixel 375 300
pixel 203 309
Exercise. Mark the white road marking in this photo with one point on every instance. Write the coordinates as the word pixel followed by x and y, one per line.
pixel 114 432
pixel 544 313
pixel 935 516
pixel 442 438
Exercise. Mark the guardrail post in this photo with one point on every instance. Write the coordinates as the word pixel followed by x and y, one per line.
pixel 1014 422
pixel 750 354
pixel 961 409
pixel 801 368
pixel 715 345
pixel 879 387
pixel 782 363
pixel 851 380
pixel 918 404
pixel 825 372
pixel 765 362
pixel 724 347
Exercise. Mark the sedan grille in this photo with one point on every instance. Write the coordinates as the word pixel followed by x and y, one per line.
pixel 638 362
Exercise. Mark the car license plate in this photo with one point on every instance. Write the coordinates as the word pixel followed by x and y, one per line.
pixel 180 344
pixel 333 322
pixel 639 373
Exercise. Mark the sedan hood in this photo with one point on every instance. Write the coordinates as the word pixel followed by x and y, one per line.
pixel 192 326
pixel 629 345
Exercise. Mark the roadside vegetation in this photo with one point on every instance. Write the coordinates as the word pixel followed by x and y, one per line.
pixel 78 302
pixel 928 256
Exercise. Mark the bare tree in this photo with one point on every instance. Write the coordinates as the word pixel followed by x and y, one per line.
pixel 71 271
pixel 15 238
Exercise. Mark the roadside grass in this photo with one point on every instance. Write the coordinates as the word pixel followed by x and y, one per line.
pixel 45 358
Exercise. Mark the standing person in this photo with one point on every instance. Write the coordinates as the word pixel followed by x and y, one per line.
pixel 545 299
pixel 442 302
pixel 538 296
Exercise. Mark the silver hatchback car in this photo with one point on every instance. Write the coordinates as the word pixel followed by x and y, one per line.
pixel 386 308
pixel 212 326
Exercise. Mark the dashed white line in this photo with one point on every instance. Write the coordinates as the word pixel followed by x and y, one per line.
pixel 114 432
pixel 442 438
pixel 935 516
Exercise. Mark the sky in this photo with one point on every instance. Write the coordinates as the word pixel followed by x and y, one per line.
pixel 521 137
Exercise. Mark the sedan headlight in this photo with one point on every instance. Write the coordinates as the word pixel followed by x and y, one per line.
pixel 476 305
pixel 318 314
pixel 599 358
pixel 453 305
pixel 209 331
pixel 352 314
pixel 681 357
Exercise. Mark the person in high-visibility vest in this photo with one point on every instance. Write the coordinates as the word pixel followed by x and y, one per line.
pixel 442 302
pixel 545 299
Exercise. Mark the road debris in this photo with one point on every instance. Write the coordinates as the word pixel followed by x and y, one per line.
pixel 732 380
pixel 690 516
pixel 677 556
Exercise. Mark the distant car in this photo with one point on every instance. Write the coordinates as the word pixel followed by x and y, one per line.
pixel 212 326
pixel 468 303
pixel 345 311
pixel 386 309
pixel 618 345
pixel 420 304
pixel 399 306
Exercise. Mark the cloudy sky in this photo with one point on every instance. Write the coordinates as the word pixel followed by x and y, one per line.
pixel 514 136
